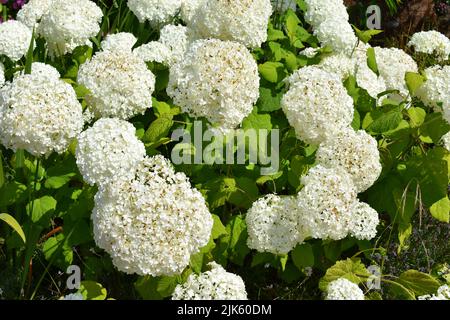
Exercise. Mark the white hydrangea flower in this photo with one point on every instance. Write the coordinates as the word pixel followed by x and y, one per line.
pixel 443 293
pixel 431 42
pixel 15 39
pixel 216 284
pixel 356 152
pixel 325 202
pixel 319 11
pixel 446 141
pixel 42 70
pixel 39 113
pixel 393 64
pixel 122 41
pixel 272 224
pixel 343 289
pixel 177 39
pixel 119 82
pixel 337 34
pixel 72 296
pixel 32 11
pixel 154 51
pixel 244 21
pixel 340 64
pixel 154 11
pixel 217 80
pixel 109 150
pixel 436 89
pixel 189 8
pixel 317 104
pixel 364 221
pixel 69 24
pixel 152 224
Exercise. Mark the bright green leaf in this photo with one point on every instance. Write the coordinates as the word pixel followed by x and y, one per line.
pixel 12 222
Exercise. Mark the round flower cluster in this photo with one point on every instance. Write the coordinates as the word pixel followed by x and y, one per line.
pixel 216 284
pixel 364 221
pixel 435 92
pixel 325 202
pixel 31 13
pixel 356 152
pixel 153 223
pixel 317 104
pixel 329 20
pixel 393 64
pixel 39 112
pixel 154 11
pixel 15 39
pixel 431 42
pixel 108 151
pixel 272 224
pixel 318 11
pixel 170 48
pixel 244 21
pixel 188 9
pixel 343 289
pixel 122 41
pixel 340 64
pixel 119 83
pixel 69 24
pixel 443 293
pixel 217 80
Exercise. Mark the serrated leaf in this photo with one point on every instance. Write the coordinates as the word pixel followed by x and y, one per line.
pixel 418 282
pixel 158 129
pixel 414 81
pixel 271 71
pixel 350 269
pixel 92 290
pixel 416 116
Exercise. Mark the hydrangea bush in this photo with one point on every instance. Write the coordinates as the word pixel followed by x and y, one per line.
pixel 92 96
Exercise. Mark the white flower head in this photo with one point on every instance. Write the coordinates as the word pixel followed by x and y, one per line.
pixel 272 224
pixel 364 221
pixel 2 74
pixel 108 151
pixel 154 51
pixel 393 64
pixel 216 284
pixel 355 152
pixel 431 42
pixel 244 21
pixel 122 41
pixel 217 80
pixel 317 104
pixel 15 39
pixel 340 64
pixel 189 8
pixel 325 202
pixel 154 11
pixel 319 11
pixel 39 112
pixel 119 83
pixel 32 11
pixel 446 141
pixel 69 24
pixel 337 34
pixel 152 223
pixel 343 289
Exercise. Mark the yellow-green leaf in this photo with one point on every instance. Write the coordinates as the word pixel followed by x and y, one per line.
pixel 13 224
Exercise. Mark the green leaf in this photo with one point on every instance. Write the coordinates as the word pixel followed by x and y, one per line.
pixel 12 222
pixel 385 122
pixel 12 192
pixel 196 262
pixel 400 291
pixel 350 269
pixel 166 286
pixel 256 120
pixel 158 129
pixel 372 61
pixel 268 101
pixel 416 116
pixel 60 174
pixel 41 208
pixel 433 128
pixel 57 250
pixel 274 34
pixel 418 282
pixel 366 36
pixel 441 210
pixel 303 256
pixel 414 81
pixel 272 71
pixel 218 228
pixel 147 287
pixel 246 192
pixel 92 290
